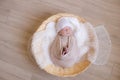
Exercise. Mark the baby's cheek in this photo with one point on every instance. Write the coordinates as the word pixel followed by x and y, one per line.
pixel 63 32
pixel 66 34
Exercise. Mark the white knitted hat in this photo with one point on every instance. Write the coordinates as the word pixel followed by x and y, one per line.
pixel 63 22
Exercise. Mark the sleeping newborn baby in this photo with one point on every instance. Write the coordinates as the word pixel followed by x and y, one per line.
pixel 69 45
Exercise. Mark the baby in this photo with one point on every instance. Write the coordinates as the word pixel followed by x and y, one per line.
pixel 65 34
pixel 64 50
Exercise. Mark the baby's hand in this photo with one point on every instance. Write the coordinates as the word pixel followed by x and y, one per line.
pixel 65 50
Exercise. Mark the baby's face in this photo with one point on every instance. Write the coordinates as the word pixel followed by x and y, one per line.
pixel 67 31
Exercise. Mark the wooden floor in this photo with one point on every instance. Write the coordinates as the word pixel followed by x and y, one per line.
pixel 20 18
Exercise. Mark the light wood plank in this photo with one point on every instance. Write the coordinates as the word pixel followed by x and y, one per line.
pixel 20 18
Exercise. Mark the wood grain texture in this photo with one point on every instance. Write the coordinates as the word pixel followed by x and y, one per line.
pixel 20 18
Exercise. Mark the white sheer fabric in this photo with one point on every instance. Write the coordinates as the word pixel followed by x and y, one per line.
pixel 104 48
